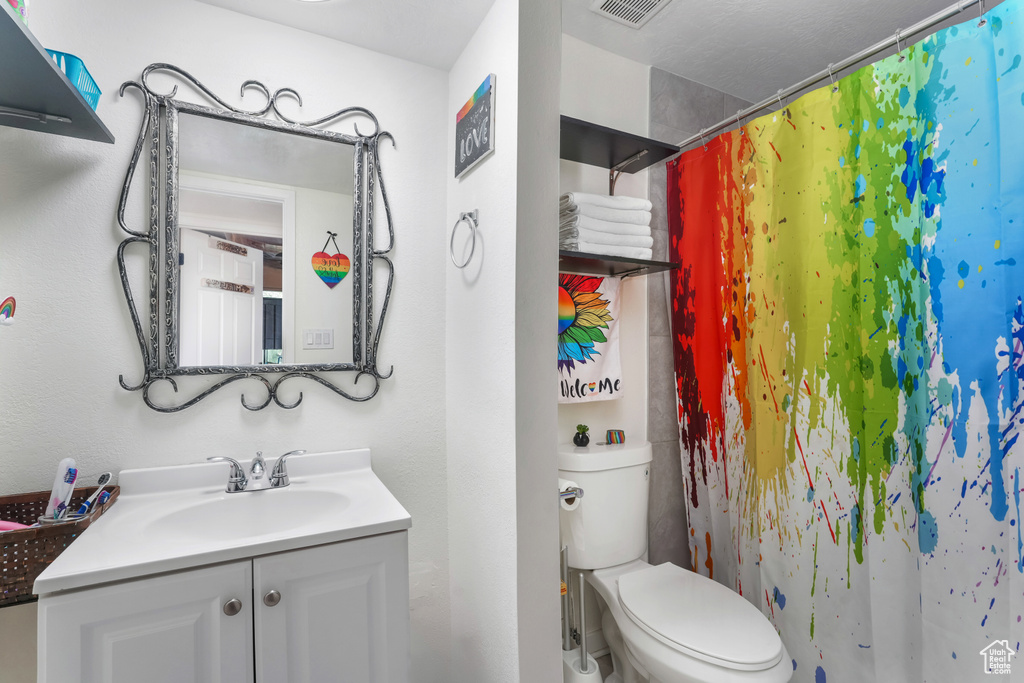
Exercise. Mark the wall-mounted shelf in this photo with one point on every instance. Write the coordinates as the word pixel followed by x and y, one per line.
pixel 609 266
pixel 589 143
pixel 39 94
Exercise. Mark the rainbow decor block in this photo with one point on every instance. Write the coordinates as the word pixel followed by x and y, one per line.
pixel 615 436
pixel 480 92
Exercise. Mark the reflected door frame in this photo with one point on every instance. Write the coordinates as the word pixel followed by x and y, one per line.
pixel 189 181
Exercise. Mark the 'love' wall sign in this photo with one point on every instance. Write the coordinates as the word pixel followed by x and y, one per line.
pixel 474 128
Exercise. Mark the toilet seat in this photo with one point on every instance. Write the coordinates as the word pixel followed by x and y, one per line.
pixel 699 617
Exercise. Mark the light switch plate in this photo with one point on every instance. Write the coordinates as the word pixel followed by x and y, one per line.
pixel 318 339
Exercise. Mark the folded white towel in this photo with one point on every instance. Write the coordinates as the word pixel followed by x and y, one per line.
pixel 609 250
pixel 575 221
pixel 609 202
pixel 595 237
pixel 635 216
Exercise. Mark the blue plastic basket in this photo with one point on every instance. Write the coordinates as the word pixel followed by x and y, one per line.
pixel 79 76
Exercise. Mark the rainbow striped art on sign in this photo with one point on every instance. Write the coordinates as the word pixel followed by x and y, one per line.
pixel 480 92
pixel 331 269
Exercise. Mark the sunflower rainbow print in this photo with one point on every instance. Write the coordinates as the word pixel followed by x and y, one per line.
pixel 588 348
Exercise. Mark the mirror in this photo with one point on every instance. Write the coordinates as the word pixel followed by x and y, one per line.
pixel 261 245
pixel 254 207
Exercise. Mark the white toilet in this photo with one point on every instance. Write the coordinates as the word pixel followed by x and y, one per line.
pixel 664 624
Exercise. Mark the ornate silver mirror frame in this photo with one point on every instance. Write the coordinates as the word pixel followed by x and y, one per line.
pixel 158 341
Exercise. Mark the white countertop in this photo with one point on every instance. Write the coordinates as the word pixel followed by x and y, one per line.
pixel 158 522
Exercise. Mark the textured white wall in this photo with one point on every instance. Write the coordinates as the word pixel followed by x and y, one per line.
pixel 316 304
pixel 500 346
pixel 603 88
pixel 480 369
pixel 60 362
pixel 536 342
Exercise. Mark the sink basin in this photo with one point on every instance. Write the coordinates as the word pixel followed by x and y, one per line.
pixel 232 516
pixel 174 518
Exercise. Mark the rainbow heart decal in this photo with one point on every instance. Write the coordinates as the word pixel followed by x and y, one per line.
pixel 331 269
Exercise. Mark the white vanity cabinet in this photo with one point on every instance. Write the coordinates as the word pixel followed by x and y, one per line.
pixel 343 613
pixel 164 629
pixel 335 612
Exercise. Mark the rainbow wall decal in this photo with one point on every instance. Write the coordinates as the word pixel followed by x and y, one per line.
pixel 849 348
pixel 7 310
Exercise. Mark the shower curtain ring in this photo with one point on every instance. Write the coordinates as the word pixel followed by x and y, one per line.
pixel 899 50
pixel 832 78
pixel 779 95
pixel 701 134
pixel 981 13
pixel 739 115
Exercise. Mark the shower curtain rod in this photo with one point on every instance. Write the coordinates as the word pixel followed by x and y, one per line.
pixel 833 69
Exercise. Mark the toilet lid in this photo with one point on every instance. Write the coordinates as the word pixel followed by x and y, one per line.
pixel 699 616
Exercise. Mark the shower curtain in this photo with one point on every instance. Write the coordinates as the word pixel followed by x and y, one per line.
pixel 848 336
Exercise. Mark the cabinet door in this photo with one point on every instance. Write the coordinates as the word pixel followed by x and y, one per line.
pixel 343 615
pixel 166 629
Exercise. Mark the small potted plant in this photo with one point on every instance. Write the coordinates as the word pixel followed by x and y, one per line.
pixel 581 438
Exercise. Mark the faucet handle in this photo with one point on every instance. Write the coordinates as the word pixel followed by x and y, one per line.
pixel 279 477
pixel 236 477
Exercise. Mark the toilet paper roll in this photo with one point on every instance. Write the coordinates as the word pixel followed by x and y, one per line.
pixel 567 503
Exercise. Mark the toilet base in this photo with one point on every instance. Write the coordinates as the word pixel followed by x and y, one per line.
pixel 571 668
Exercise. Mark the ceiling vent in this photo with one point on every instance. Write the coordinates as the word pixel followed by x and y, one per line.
pixel 632 13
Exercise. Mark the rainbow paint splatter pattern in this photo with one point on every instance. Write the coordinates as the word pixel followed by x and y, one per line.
pixel 849 346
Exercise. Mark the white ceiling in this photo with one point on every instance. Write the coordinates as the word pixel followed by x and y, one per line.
pixel 431 32
pixel 751 48
pixel 747 48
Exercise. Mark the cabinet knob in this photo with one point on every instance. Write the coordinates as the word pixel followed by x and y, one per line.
pixel 232 607
pixel 271 598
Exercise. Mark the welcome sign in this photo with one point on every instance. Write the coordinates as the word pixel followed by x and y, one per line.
pixel 474 128
pixel 589 366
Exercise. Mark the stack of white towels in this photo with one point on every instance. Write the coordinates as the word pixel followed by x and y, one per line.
pixel 610 226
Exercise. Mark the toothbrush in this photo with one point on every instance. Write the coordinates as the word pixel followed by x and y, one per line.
pixel 63 485
pixel 70 477
pixel 103 481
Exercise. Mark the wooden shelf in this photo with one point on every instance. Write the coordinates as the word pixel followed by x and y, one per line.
pixel 30 81
pixel 589 143
pixel 609 266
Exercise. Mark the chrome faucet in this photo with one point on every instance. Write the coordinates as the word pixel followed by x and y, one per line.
pixel 279 477
pixel 238 482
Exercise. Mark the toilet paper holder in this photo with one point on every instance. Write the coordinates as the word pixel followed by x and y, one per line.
pixel 571 492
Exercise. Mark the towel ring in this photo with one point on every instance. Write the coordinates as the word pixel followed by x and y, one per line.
pixel 471 219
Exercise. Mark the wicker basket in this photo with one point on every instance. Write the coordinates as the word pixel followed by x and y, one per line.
pixel 25 553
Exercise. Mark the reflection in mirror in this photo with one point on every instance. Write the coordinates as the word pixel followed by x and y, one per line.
pixel 255 209
pixel 269 244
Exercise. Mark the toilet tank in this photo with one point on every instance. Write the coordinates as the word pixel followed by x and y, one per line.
pixel 609 525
